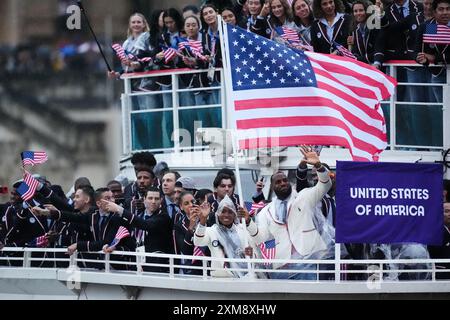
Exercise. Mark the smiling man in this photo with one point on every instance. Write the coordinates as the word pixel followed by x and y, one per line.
pixel 292 221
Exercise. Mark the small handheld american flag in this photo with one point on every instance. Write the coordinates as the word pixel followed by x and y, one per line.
pixel 30 158
pixel 27 188
pixel 268 250
pixel 122 232
pixel 169 54
pixel 198 252
pixel 288 34
pixel 41 242
pixel 120 52
pixel 253 207
pixel 436 33
pixel 343 51
pixel 193 46
pixel 124 56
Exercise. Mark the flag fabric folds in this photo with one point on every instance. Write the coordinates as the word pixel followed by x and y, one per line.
pixel 286 97
pixel 436 33
pixel 268 249
pixel 122 232
pixel 28 187
pixel 31 158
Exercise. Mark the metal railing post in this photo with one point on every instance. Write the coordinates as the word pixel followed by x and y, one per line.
pixel 223 100
pixel 204 269
pixel 393 110
pixel 446 116
pixel 73 259
pixel 176 116
pixel 337 262
pixel 171 268
pixel 140 258
pixel 26 259
pixel 107 265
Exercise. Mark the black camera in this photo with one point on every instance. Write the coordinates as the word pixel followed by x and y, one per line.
pixel 3 190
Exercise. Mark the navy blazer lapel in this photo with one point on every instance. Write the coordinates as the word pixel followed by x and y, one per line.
pixel 108 220
pixel 338 28
pixel 359 42
pixel 323 32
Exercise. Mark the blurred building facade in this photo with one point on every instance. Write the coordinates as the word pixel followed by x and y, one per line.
pixel 54 94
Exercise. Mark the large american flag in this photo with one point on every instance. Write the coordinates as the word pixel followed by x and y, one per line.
pixel 27 188
pixel 30 158
pixel 436 33
pixel 286 97
pixel 268 249
pixel 122 232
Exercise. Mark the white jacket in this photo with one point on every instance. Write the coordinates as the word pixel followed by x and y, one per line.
pixel 207 236
pixel 299 232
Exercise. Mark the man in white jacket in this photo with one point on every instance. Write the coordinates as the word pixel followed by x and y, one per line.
pixel 294 222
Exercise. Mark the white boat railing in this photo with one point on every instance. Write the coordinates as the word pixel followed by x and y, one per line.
pixel 175 104
pixel 253 270
pixel 402 114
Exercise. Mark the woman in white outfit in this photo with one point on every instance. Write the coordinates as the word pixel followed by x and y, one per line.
pixel 225 239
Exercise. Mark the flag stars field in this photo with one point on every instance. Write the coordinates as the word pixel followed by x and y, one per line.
pixel 306 97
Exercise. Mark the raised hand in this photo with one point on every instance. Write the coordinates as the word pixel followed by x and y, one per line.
pixel 205 209
pixel 309 154
pixel 265 10
pixel 243 213
pixel 260 186
pixel 193 218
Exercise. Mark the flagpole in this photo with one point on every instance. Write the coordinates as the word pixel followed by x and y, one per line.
pixel 80 5
pixel 223 35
